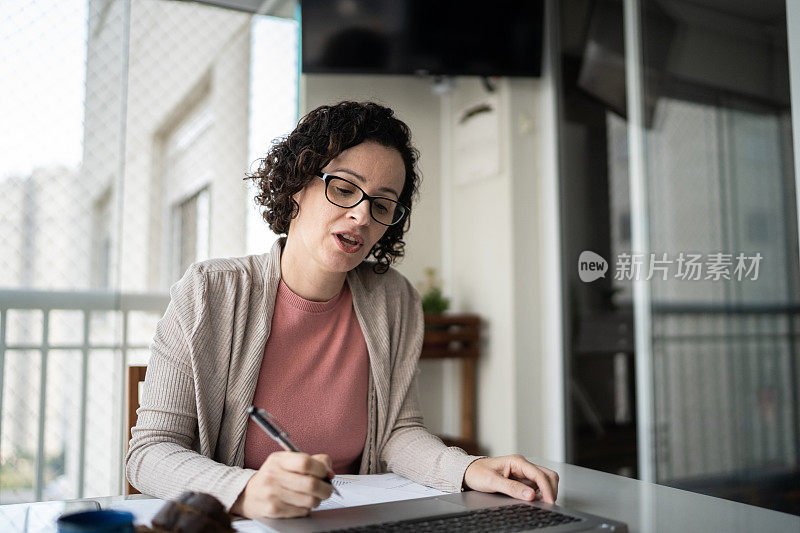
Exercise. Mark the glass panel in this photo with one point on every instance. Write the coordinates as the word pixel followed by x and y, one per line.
pixel 104 327
pixel 273 106
pixel 66 327
pixel 141 327
pixel 62 421
pixel 42 194
pixel 21 386
pixel 24 327
pixel 720 180
pixel 595 196
pixel 102 417
pixel 722 268
pixel 61 98
pixel 114 113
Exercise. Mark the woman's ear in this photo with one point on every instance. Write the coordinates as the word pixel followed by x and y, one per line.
pixel 297 199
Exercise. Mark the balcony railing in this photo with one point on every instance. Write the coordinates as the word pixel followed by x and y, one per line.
pixel 86 303
pixel 726 388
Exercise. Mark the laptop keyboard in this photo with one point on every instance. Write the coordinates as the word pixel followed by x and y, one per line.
pixel 508 518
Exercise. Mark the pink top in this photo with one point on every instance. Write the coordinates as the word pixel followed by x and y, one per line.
pixel 313 380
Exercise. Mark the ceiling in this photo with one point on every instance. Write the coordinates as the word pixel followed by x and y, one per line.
pixel 275 8
pixel 763 11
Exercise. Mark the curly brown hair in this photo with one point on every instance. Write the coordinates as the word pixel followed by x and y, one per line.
pixel 320 136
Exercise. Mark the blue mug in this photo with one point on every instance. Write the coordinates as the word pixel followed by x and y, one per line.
pixel 96 522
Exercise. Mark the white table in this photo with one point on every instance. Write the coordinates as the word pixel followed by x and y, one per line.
pixel 645 507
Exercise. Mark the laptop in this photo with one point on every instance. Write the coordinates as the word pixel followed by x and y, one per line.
pixel 457 512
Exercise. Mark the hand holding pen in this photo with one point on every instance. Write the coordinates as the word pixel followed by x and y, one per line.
pixel 272 428
pixel 288 484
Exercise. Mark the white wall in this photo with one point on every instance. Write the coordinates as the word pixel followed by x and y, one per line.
pixel 498 270
pixel 480 235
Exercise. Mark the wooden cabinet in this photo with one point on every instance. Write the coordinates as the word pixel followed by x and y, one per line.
pixel 457 337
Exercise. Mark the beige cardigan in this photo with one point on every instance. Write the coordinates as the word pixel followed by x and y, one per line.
pixel 204 363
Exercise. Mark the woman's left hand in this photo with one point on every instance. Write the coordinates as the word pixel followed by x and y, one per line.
pixel 513 475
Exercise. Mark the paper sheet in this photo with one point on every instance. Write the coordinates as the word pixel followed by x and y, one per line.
pixel 359 490
pixel 374 488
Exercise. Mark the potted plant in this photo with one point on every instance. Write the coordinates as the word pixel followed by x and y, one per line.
pixel 433 301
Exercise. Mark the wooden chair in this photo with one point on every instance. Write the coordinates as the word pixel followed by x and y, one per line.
pixel 136 375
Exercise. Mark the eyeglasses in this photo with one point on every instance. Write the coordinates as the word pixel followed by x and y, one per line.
pixel 344 193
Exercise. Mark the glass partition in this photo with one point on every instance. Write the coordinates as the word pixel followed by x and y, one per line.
pixel 719 170
pixel 128 127
pixel 676 124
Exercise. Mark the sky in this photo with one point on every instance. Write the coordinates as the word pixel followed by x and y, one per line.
pixel 42 69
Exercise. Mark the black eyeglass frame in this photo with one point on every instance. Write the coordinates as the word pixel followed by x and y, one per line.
pixel 326 179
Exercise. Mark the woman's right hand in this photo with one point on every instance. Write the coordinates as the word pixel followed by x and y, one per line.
pixel 288 485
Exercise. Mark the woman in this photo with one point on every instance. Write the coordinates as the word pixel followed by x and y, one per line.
pixel 324 340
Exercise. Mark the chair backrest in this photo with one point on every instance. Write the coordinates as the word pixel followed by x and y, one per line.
pixel 136 375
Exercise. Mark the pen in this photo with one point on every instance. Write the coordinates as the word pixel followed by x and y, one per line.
pixel 272 428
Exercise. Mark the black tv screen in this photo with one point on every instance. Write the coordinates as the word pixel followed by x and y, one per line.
pixel 440 37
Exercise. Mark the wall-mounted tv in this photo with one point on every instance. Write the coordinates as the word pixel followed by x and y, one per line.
pixel 439 37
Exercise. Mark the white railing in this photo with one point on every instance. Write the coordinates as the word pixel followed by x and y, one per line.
pixel 86 302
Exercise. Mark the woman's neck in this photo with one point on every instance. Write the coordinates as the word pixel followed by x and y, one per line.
pixel 304 277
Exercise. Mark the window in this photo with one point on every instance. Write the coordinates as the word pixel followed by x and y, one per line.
pixel 190 232
pixel 188 157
